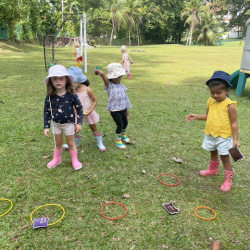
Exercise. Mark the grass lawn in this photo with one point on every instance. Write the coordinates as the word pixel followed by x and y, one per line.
pixel 168 82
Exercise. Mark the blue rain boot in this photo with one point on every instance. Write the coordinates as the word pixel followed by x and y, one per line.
pixel 77 141
pixel 99 142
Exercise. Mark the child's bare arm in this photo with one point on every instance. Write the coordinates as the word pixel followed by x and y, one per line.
pixel 123 58
pixel 192 117
pixel 130 59
pixel 93 98
pixel 234 124
pixel 103 76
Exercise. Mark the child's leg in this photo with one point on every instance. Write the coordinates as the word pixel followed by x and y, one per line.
pixel 70 139
pixel 94 129
pixel 214 155
pixel 229 172
pixel 57 159
pixel 73 151
pixel 214 164
pixel 59 141
pixel 98 137
pixel 226 162
pixel 117 117
pixel 125 124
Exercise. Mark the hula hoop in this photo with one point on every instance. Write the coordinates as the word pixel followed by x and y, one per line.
pixel 117 217
pixel 11 205
pixel 203 217
pixel 47 206
pixel 172 185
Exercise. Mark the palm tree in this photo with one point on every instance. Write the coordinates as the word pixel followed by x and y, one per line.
pixel 208 28
pixel 116 15
pixel 132 14
pixel 192 13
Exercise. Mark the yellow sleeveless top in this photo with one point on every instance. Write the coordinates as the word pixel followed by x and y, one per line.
pixel 218 121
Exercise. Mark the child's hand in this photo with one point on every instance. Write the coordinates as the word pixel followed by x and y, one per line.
pixel 46 132
pixel 96 71
pixel 127 112
pixel 78 128
pixel 132 62
pixel 85 112
pixel 190 117
pixel 236 143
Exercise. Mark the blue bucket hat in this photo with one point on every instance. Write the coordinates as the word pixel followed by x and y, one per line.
pixel 77 74
pixel 221 75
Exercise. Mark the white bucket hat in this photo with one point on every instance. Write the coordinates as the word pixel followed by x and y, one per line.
pixel 123 47
pixel 115 70
pixel 58 70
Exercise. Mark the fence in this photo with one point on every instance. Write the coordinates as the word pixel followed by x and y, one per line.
pixel 119 42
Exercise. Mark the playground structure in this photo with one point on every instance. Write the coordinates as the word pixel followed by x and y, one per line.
pixel 59 41
pixel 239 77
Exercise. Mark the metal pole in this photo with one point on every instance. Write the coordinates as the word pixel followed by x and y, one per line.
pixel 81 35
pixel 85 42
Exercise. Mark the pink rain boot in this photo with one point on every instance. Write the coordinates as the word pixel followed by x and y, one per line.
pixel 228 182
pixel 212 170
pixel 129 76
pixel 56 160
pixel 76 164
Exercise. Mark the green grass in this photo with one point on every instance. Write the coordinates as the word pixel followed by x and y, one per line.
pixel 168 82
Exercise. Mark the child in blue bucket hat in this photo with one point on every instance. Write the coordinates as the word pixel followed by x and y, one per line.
pixel 86 95
pixel 221 132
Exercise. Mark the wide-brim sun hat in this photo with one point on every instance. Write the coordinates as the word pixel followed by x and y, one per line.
pixel 115 70
pixel 221 75
pixel 58 70
pixel 77 74
pixel 123 47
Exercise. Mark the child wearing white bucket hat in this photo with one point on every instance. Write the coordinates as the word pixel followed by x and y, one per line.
pixel 86 95
pixel 125 60
pixel 59 108
pixel 118 103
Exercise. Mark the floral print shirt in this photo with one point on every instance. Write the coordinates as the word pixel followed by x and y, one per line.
pixel 118 98
pixel 62 109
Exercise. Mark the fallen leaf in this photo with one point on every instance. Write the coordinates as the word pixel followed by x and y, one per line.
pixel 2 102
pixel 25 226
pixel 79 242
pixel 177 159
pixel 103 135
pixel 46 157
pixel 126 196
pixel 18 179
pixel 216 245
pixel 235 241
pixel 87 177
pixel 82 151
pixel 32 139
pixel 79 218
pixel 24 143
pixel 93 187
pixel 150 115
pixel 128 156
pixel 143 171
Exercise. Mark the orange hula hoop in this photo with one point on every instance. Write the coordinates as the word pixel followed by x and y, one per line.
pixel 172 185
pixel 117 217
pixel 203 217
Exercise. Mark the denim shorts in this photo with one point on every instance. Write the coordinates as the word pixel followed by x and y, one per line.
pixel 222 145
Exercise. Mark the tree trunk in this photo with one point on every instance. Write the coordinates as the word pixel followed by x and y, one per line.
pixel 129 40
pixel 205 40
pixel 190 41
pixel 138 36
pixel 112 32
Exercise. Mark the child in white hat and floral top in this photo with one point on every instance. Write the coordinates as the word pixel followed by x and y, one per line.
pixel 118 103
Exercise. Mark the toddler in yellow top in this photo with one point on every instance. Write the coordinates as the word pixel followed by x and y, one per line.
pixel 221 132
